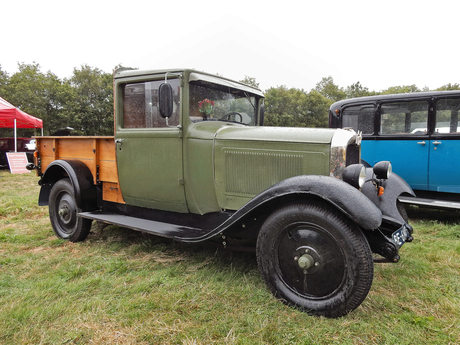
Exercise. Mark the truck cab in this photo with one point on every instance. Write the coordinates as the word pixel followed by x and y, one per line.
pixel 191 160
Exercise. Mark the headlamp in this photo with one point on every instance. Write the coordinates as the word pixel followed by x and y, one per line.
pixel 382 170
pixel 355 175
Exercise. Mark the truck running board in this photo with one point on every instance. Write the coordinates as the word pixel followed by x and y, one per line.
pixel 152 227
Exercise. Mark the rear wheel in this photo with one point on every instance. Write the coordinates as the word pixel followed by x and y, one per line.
pixel 314 258
pixel 63 211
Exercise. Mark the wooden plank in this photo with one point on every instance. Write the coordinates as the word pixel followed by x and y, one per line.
pixel 98 154
pixel 107 149
pixel 95 165
pixel 76 149
pixel 111 192
pixel 108 171
pixel 55 149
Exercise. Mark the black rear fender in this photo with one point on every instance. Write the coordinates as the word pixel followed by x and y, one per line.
pixel 80 176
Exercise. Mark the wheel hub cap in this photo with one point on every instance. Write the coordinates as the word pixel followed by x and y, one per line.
pixel 64 212
pixel 306 261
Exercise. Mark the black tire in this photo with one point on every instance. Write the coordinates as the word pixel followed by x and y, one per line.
pixel 314 258
pixel 63 211
pixel 402 211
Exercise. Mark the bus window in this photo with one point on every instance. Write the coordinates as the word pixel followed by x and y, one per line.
pixel 447 115
pixel 360 118
pixel 404 118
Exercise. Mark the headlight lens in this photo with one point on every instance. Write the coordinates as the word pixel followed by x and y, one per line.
pixel 355 175
pixel 382 170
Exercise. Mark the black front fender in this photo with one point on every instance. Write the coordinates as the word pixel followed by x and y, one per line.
pixel 341 195
pixel 394 187
pixel 344 197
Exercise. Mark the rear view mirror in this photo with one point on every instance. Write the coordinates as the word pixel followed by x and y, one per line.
pixel 165 99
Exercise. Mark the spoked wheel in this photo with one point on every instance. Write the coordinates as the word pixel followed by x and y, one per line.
pixel 63 211
pixel 315 259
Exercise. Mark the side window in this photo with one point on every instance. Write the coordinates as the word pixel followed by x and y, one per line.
pixel 140 105
pixel 404 117
pixel 360 118
pixel 447 115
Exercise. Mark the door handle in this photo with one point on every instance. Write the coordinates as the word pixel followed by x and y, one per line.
pixel 422 143
pixel 437 142
pixel 119 141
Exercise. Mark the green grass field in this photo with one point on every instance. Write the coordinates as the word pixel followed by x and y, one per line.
pixel 122 287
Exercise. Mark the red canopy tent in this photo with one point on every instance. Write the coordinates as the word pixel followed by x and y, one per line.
pixel 12 117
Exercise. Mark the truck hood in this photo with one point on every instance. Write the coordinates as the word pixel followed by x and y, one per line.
pixel 248 160
pixel 276 134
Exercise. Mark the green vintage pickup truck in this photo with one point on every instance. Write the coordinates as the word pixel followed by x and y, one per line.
pixel 192 161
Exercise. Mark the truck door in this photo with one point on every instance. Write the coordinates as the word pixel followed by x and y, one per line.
pixel 149 148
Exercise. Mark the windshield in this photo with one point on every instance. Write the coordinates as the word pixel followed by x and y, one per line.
pixel 212 102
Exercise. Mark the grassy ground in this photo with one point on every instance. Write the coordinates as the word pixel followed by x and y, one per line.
pixel 122 287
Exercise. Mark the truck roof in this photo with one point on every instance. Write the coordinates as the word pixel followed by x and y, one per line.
pixel 191 74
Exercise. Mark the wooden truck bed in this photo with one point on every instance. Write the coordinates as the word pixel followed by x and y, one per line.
pixel 97 152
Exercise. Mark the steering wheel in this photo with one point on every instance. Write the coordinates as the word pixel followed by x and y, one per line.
pixel 227 116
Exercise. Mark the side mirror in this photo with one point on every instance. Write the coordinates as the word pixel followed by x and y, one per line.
pixel 165 99
pixel 262 113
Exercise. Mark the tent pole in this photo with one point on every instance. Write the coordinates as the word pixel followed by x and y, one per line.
pixel 15 138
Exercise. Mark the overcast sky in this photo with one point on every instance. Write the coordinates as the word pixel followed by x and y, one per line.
pixel 292 43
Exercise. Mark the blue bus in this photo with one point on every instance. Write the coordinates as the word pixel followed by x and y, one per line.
pixel 418 132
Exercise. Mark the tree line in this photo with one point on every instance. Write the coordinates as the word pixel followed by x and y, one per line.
pixel 84 101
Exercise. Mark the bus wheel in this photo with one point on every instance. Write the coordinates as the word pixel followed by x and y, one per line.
pixel 63 211
pixel 314 258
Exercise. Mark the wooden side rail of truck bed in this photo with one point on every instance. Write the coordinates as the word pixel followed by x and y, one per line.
pixel 97 152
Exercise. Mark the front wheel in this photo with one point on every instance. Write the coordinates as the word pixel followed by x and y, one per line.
pixel 312 257
pixel 63 211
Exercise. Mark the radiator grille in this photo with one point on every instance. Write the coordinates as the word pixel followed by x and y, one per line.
pixel 249 173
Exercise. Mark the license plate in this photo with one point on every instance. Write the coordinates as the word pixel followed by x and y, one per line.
pixel 400 236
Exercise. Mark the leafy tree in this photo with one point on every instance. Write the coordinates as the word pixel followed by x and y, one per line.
pixel 295 108
pixel 317 113
pixel 328 89
pixel 448 87
pixel 250 81
pixel 401 89
pixel 93 101
pixel 358 90
pixel 277 107
pixel 40 95
pixel 4 80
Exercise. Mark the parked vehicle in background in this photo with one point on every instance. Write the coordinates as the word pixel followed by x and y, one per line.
pixel 26 145
pixel 192 161
pixel 418 132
